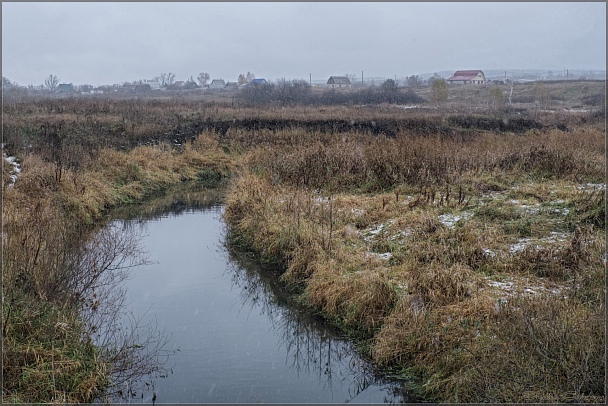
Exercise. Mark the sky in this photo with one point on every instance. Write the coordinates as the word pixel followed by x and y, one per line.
pixel 114 42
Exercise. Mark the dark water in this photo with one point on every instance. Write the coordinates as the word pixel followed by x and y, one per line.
pixel 235 338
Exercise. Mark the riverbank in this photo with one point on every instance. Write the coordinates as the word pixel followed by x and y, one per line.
pixel 55 270
pixel 476 267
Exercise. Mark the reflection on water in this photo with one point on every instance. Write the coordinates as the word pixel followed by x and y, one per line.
pixel 235 335
pixel 311 346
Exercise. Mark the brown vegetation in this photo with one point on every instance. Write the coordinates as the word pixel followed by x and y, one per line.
pixel 465 250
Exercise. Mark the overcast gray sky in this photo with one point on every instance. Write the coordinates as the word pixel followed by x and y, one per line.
pixel 105 43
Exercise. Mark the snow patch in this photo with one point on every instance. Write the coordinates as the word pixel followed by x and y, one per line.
pixel 15 170
pixel 401 234
pixel 488 252
pixel 511 288
pixel 375 231
pixel 598 186
pixel 384 256
pixel 450 220
pixel 405 107
pixel 522 243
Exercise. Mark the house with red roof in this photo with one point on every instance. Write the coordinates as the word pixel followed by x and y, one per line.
pixel 465 77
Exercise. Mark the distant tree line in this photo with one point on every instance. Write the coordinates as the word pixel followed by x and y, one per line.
pixel 299 92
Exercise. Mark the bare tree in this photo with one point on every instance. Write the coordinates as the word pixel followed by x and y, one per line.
pixel 352 77
pixel 6 83
pixel 244 79
pixel 390 85
pixel 414 81
pixel 167 79
pixel 203 78
pixel 51 82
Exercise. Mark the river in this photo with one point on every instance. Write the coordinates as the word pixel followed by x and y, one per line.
pixel 233 335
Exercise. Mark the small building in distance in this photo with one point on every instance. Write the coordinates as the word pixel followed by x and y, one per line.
pixel 231 86
pixel 474 77
pixel 217 84
pixel 154 84
pixel 257 82
pixel 338 81
pixel 65 88
pixel 135 88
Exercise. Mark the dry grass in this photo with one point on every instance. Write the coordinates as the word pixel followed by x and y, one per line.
pixel 477 249
pixel 470 256
pixel 45 357
pixel 46 221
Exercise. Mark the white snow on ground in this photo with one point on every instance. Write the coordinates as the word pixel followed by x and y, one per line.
pixel 560 210
pixel 501 285
pixel 522 243
pixel 375 231
pixel 519 246
pixel 356 211
pixel 450 220
pixel 510 288
pixel 16 168
pixel 598 186
pixel 385 256
pixel 488 252
pixel 401 234
pixel 526 208
pixel 400 106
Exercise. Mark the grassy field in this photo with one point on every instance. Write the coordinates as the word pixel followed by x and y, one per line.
pixel 461 244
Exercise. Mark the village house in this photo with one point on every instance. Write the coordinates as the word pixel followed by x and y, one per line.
pixel 256 82
pixel 154 84
pixel 217 84
pixel 65 88
pixel 231 86
pixel 135 88
pixel 338 81
pixel 464 77
pixel 177 85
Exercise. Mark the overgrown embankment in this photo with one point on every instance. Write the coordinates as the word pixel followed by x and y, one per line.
pixel 475 266
pixel 59 271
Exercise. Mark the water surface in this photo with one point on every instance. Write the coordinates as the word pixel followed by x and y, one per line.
pixel 235 338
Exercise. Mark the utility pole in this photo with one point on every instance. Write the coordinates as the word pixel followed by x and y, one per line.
pixel 310 79
pixel 361 78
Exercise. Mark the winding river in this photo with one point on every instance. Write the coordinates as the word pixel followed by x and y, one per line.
pixel 233 335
